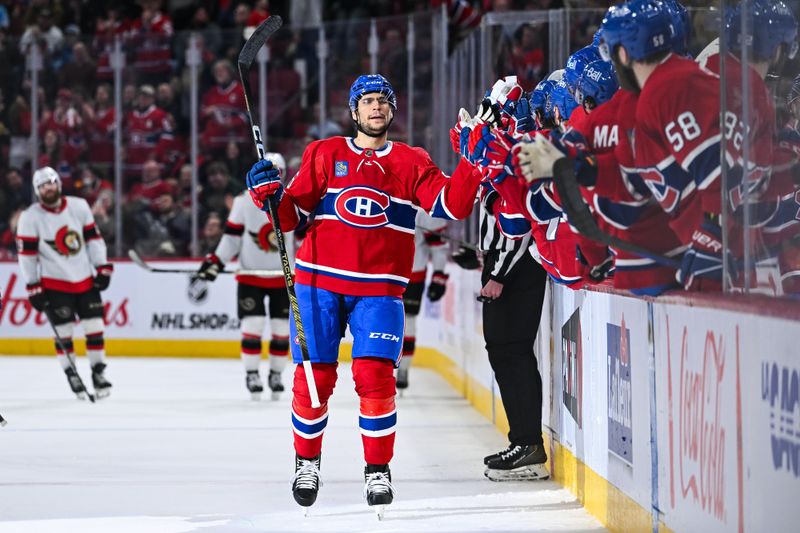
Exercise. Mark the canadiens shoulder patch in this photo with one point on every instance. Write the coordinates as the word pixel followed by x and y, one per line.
pixel 341 168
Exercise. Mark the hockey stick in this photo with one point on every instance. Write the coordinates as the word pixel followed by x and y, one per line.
pixel 63 347
pixel 579 215
pixel 246 58
pixel 136 258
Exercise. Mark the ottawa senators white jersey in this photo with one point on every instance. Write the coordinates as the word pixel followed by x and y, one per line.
pixel 60 247
pixel 428 245
pixel 250 235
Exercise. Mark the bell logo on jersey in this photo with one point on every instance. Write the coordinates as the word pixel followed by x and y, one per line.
pixel 67 241
pixel 362 207
pixel 265 239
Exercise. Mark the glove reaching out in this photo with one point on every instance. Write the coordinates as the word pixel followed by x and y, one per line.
pixel 103 278
pixel 264 181
pixel 522 122
pixel 459 134
pixel 534 160
pixel 37 296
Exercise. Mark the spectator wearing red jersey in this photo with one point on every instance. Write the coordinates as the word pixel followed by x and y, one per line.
pixel 144 128
pixel 100 128
pixel 151 186
pixel 222 110
pixel 151 40
pixel 78 74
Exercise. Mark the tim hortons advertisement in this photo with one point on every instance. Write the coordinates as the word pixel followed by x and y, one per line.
pixel 700 439
pixel 572 365
pixel 138 304
pixel 620 426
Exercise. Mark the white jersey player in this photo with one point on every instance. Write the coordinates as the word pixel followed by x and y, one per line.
pixel 249 235
pixel 63 260
pixel 429 246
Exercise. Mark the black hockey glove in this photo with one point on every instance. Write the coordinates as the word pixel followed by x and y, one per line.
pixel 438 286
pixel 37 296
pixel 466 258
pixel 210 268
pixel 103 277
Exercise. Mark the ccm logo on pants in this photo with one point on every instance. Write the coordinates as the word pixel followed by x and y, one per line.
pixel 384 336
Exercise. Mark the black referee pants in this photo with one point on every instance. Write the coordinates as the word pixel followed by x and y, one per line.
pixel 510 324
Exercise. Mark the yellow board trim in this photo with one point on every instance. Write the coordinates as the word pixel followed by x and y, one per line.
pixel 613 508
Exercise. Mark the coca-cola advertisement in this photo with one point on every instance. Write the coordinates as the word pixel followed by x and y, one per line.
pixel 138 305
pixel 699 362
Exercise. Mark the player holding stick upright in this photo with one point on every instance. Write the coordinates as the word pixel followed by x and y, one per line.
pixel 251 237
pixel 353 268
pixel 62 257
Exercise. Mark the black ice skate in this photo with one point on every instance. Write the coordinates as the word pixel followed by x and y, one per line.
pixel 402 378
pixel 275 384
pixel 378 489
pixel 306 483
pixel 102 387
pixel 520 463
pixel 254 385
pixel 497 455
pixel 76 384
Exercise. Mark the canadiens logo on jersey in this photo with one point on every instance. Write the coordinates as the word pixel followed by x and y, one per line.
pixel 67 241
pixel 362 207
pixel 265 239
pixel 340 169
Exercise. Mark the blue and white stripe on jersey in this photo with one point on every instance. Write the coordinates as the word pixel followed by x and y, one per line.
pixel 440 209
pixel 378 426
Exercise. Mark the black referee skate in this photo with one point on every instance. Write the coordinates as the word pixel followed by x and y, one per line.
pixel 254 385
pixel 519 463
pixel 102 387
pixel 275 384
pixel 378 489
pixel 306 482
pixel 76 384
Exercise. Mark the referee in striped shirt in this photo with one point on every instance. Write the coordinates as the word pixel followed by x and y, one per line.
pixel 513 294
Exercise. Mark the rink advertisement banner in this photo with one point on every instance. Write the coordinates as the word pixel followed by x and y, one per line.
pixel 138 305
pixel 620 392
pixel 572 365
pixel 698 375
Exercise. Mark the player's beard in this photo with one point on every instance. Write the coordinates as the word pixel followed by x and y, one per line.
pixel 625 76
pixel 50 198
pixel 373 132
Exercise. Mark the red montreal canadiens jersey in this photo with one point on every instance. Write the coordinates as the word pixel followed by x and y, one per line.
pixel 250 235
pixel 59 247
pixel 676 142
pixel 363 204
pixel 144 130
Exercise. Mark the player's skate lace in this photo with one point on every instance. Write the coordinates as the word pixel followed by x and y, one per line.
pixel 307 475
pixel 378 483
pixel 511 452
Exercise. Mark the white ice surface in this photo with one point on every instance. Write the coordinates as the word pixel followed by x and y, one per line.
pixel 180 447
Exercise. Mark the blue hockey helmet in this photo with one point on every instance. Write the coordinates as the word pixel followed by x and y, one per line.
pixel 682 25
pixel 562 98
pixel 540 94
pixel 772 24
pixel 643 27
pixel 371 83
pixel 598 82
pixel 577 62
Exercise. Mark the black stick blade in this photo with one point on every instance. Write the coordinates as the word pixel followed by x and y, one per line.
pixel 257 40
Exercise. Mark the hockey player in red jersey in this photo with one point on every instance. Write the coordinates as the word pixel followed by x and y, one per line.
pixel 62 257
pixel 677 134
pixel 429 246
pixel 250 236
pixel 362 195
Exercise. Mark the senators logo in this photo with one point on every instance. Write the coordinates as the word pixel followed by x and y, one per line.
pixel 362 207
pixel 265 238
pixel 67 242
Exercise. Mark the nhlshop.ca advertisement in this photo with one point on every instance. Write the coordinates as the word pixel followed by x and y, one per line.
pixel 138 305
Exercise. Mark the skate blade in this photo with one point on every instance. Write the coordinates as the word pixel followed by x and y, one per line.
pixel 401 392
pixel 523 473
pixel 379 510
pixel 3 422
pixel 81 395
pixel 305 511
pixel 255 396
pixel 275 396
pixel 102 393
